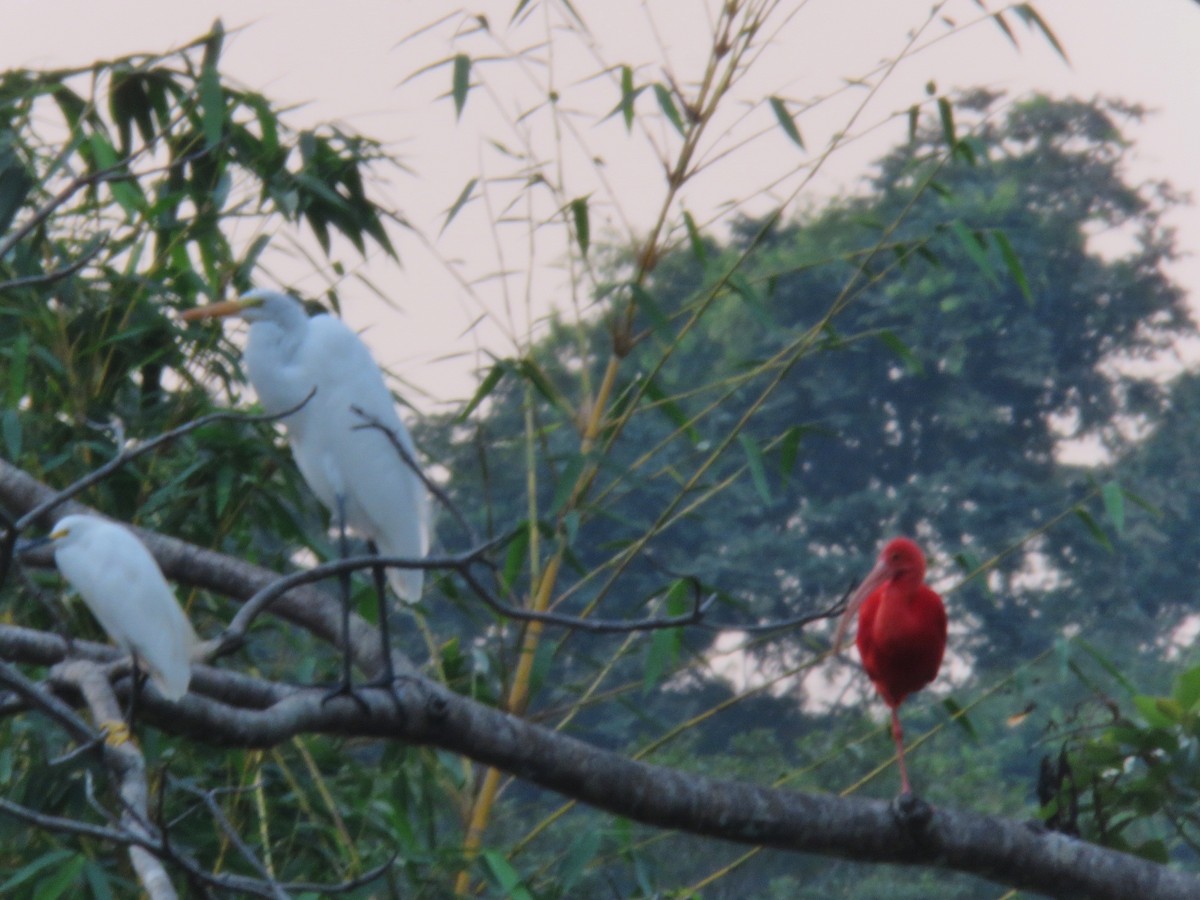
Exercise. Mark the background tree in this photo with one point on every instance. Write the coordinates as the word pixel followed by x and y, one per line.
pixel 739 413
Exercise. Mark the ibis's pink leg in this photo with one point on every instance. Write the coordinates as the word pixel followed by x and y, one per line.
pixel 898 737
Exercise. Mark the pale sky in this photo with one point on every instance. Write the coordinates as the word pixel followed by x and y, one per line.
pixel 348 62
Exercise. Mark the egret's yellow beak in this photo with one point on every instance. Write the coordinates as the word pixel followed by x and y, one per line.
pixel 218 310
pixel 61 533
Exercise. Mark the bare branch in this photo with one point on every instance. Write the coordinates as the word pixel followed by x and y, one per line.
pixel 370 421
pixel 128 454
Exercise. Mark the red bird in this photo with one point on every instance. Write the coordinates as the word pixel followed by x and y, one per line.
pixel 901 631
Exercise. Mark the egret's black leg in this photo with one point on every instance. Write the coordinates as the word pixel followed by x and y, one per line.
pixel 346 687
pixel 380 575
pixel 135 688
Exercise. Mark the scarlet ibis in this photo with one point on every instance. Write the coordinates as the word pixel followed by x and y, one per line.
pixel 901 631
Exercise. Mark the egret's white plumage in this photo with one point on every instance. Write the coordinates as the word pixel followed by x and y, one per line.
pixel 124 588
pixel 287 355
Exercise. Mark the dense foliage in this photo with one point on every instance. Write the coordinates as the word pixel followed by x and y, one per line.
pixel 743 414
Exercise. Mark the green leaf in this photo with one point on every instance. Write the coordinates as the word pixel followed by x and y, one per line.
pixel 911 361
pixel 506 876
pixel 672 411
pixel 1114 505
pixel 583 231
pixel 212 106
pixel 463 196
pixel 1156 713
pixel 628 95
pixel 1091 525
pixel 460 82
pixel 1034 20
pixel 959 716
pixel 789 449
pixel 15 185
pixel 786 122
pixel 1141 502
pixel 18 369
pixel 128 197
pixel 661 655
pixel 667 104
pixel 581 852
pixel 1187 689
pixel 10 425
pixel 946 114
pixel 998 18
pixel 648 305
pixel 495 373
pixel 63 880
pixel 1107 665
pixel 679 596
pixel 974 243
pixel 531 372
pixel 1013 262
pixel 515 556
pixel 97 879
pixel 31 869
pixel 754 460
pixel 567 479
pixel 698 249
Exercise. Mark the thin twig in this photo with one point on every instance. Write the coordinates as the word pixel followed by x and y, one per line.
pixel 129 454
pixel 370 421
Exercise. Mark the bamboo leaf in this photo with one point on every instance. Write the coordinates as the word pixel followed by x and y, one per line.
pixel 911 361
pixel 1013 262
pixel 460 83
pixel 628 95
pixel 946 113
pixel 698 249
pixel 463 196
pixel 1034 20
pixel 959 717
pixel 1114 505
pixel 665 644
pixel 506 876
pixel 667 104
pixel 1187 688
pixel 754 460
pixel 583 231
pixel 998 18
pixel 648 305
pixel 1094 528
pixel 495 373
pixel 212 106
pixel 786 122
pixel 971 243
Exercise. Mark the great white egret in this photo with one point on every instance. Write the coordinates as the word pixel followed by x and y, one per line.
pixel 124 588
pixel 353 469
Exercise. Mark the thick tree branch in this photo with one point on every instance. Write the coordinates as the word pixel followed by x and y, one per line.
pixel 424 712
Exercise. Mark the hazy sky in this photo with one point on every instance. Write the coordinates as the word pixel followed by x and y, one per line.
pixel 349 61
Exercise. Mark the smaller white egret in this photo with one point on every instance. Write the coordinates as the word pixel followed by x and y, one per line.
pixel 124 588
pixel 353 469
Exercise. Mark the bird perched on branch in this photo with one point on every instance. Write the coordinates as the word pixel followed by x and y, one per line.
pixel 124 588
pixel 355 470
pixel 901 631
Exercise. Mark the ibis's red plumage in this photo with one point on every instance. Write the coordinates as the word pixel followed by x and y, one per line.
pixel 901 630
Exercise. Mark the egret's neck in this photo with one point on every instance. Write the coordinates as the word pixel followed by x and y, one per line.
pixel 271 364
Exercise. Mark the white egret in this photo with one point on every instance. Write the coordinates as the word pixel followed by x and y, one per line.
pixel 124 588
pixel 354 470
